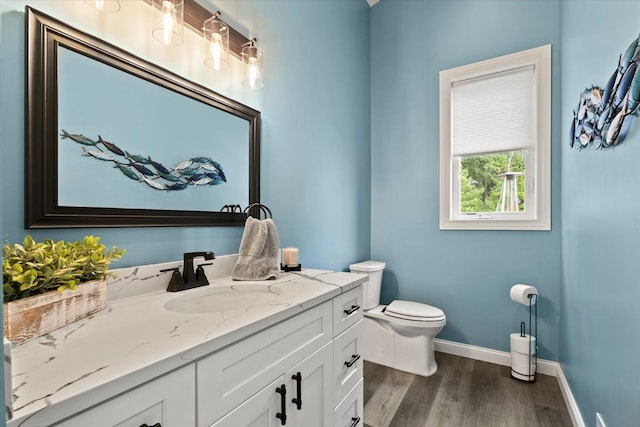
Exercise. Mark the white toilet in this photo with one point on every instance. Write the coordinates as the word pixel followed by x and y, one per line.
pixel 399 335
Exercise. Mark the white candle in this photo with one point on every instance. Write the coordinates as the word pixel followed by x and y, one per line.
pixel 290 257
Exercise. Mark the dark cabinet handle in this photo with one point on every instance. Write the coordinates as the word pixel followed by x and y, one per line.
pixel 298 400
pixel 354 421
pixel 354 359
pixel 352 310
pixel 282 415
pixel 155 425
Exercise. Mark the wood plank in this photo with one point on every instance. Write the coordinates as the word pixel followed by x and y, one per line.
pixel 449 405
pixel 417 403
pixel 546 392
pixel 382 406
pixel 551 417
pixel 374 376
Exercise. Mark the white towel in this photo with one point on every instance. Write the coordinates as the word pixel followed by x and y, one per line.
pixel 259 248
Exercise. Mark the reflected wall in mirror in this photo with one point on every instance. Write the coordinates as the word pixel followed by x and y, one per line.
pixel 115 141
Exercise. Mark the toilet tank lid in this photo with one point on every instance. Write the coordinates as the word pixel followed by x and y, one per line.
pixel 368 266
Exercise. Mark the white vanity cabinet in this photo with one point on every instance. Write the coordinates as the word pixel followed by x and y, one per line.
pixel 300 370
pixel 164 402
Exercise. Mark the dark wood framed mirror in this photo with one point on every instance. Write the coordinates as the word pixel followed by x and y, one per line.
pixel 112 140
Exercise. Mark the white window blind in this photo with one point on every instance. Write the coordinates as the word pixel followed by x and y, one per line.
pixel 494 113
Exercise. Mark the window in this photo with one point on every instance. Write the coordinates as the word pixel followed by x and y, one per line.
pixel 495 130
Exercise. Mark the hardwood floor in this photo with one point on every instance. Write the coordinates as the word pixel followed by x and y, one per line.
pixel 463 393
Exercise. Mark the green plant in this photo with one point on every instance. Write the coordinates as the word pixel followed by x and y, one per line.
pixel 37 267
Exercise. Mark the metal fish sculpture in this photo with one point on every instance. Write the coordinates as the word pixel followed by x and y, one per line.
pixel 159 167
pixel 128 172
pixel 100 155
pixel 197 171
pixel 153 184
pixel 111 147
pixel 137 158
pixel 142 169
pixel 80 139
pixel 604 116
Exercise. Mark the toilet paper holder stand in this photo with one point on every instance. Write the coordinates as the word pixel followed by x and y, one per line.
pixel 533 315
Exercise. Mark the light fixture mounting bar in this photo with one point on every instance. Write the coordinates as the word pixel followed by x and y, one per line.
pixel 194 17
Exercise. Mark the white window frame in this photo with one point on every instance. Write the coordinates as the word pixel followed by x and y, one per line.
pixel 537 161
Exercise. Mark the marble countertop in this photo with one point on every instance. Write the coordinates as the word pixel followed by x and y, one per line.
pixel 136 338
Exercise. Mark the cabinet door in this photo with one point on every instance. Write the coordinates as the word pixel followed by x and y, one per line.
pixel 168 401
pixel 261 410
pixel 309 385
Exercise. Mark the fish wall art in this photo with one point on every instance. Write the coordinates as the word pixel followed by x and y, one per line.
pixel 195 172
pixel 604 116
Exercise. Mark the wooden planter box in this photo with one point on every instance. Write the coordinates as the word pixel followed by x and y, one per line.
pixel 38 315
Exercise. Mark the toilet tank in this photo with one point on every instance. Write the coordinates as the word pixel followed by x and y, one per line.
pixel 372 286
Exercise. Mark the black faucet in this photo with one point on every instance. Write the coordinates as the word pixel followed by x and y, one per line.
pixel 189 279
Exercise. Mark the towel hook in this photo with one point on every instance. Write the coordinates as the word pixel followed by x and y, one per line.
pixel 260 208
pixel 231 208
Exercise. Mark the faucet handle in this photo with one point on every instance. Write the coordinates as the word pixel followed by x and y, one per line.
pixel 176 283
pixel 200 275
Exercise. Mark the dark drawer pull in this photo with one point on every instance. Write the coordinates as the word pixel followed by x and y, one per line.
pixel 352 310
pixel 354 421
pixel 282 415
pixel 298 400
pixel 354 359
pixel 155 425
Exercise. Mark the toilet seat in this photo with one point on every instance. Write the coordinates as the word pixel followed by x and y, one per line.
pixel 414 311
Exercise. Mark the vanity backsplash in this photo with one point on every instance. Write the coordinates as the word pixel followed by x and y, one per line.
pixel 135 281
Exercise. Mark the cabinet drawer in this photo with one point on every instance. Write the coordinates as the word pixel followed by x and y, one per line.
pixel 232 375
pixel 347 361
pixel 347 310
pixel 350 412
pixel 168 400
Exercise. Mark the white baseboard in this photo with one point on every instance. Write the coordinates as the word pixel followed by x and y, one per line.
pixel 545 367
pixel 572 405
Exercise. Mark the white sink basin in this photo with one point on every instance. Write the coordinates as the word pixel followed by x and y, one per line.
pixel 213 299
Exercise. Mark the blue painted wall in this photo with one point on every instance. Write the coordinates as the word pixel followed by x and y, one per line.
pixel 466 273
pixel 315 134
pixel 600 342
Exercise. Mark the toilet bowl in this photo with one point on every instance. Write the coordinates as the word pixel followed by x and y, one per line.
pixel 399 335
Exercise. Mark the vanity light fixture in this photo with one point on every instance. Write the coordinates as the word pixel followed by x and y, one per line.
pixel 105 5
pixel 168 22
pixel 216 36
pixel 221 39
pixel 252 65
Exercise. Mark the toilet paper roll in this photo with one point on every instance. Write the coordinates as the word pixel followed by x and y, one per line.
pixel 525 369
pixel 521 359
pixel 521 344
pixel 520 293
